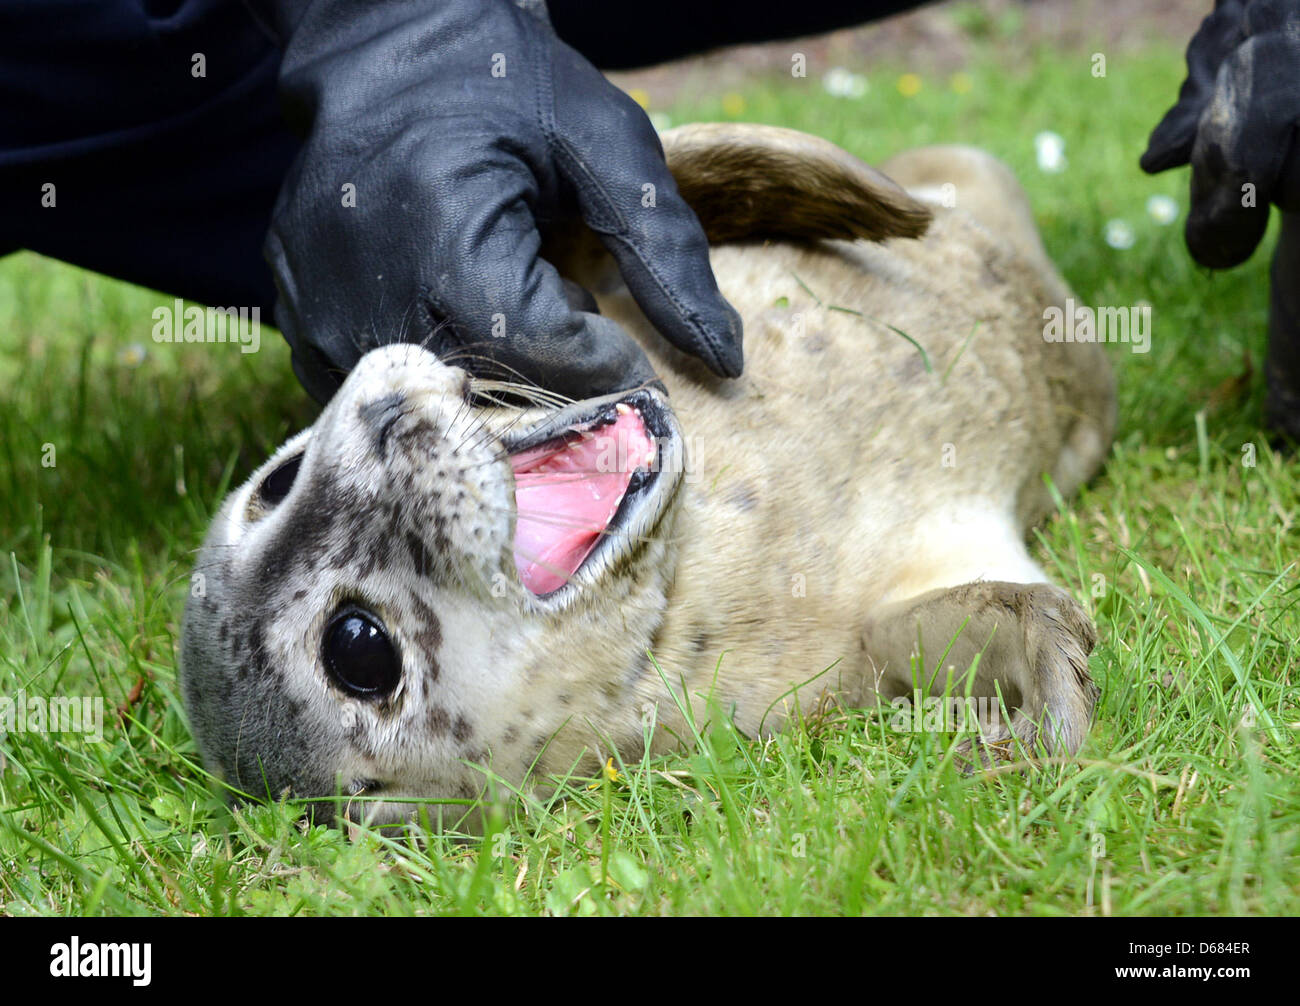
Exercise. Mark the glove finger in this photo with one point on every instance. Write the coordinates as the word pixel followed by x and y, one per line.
pixel 1171 141
pixel 626 195
pixel 315 371
pixel 468 284
pixel 1262 16
pixel 663 256
pixel 1244 143
pixel 507 311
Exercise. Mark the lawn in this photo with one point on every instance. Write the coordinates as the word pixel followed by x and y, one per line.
pixel 1185 799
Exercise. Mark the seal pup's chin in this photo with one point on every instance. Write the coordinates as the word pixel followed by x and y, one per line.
pixel 590 481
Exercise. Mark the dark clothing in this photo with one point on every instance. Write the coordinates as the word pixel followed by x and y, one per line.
pixel 167 178
pixel 670 29
pixel 161 177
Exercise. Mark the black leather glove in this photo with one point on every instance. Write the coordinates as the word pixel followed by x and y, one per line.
pixel 462 125
pixel 1236 123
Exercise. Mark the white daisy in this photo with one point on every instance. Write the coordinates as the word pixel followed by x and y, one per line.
pixel 1119 234
pixel 1162 209
pixel 844 83
pixel 1050 148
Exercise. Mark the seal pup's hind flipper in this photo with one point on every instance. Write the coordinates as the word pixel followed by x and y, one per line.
pixel 745 180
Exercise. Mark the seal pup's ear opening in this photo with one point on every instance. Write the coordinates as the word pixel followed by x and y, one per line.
pixel 745 180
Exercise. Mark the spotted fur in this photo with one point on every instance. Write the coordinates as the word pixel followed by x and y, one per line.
pixel 818 532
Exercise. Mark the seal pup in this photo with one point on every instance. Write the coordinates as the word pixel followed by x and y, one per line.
pixel 434 584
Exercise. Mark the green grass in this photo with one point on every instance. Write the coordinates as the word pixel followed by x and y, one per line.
pixel 1183 801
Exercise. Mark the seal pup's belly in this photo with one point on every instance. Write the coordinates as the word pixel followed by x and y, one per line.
pixel 891 435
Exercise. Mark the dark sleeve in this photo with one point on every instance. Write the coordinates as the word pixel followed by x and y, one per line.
pixel 166 178
pixel 616 35
pixel 164 166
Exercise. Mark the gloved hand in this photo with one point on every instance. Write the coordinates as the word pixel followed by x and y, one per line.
pixel 1235 123
pixel 439 134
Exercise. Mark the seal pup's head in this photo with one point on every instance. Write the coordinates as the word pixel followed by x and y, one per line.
pixel 375 609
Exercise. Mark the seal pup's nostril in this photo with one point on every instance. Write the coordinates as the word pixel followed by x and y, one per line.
pixel 380 416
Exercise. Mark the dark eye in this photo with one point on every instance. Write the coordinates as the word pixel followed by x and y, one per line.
pixel 276 486
pixel 359 655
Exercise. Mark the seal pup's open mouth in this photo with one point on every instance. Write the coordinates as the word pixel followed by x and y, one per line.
pixel 588 479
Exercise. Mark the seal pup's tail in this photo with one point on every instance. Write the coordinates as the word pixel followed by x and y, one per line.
pixel 749 181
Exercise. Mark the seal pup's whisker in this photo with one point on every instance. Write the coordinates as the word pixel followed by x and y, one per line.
pixel 475 429
pixel 538 395
pixel 486 360
pixel 497 433
pixel 492 432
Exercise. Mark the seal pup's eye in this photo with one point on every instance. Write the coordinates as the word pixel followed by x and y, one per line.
pixel 275 487
pixel 359 656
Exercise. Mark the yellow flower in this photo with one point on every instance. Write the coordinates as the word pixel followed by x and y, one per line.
pixel 132 355
pixel 733 104
pixel 611 773
pixel 640 96
pixel 961 83
pixel 909 84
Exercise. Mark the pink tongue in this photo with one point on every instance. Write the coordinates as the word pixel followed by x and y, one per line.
pixel 566 493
